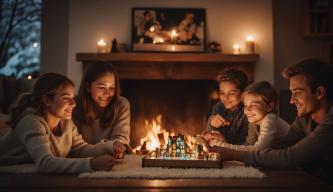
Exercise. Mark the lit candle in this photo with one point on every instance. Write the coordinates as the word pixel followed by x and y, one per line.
pixel 236 49
pixel 250 45
pixel 101 46
pixel 173 35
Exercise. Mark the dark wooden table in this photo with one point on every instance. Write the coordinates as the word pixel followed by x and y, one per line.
pixel 275 181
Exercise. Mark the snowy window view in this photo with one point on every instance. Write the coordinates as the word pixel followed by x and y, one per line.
pixel 20 28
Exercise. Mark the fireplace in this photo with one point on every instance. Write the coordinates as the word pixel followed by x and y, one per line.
pixel 182 104
pixel 177 88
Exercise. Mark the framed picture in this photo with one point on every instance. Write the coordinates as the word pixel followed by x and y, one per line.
pixel 168 30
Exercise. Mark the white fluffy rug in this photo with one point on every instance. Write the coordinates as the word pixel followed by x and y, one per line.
pixel 131 168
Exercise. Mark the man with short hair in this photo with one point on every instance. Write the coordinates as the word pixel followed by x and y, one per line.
pixel 310 141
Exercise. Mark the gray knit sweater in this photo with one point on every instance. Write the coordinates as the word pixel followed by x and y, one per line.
pixel 65 151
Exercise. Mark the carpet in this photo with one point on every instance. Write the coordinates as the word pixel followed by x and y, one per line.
pixel 130 167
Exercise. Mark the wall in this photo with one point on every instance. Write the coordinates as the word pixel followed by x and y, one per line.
pixel 54 36
pixel 289 44
pixel 227 22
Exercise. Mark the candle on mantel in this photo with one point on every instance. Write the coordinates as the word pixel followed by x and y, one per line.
pixel 101 46
pixel 173 35
pixel 250 45
pixel 236 49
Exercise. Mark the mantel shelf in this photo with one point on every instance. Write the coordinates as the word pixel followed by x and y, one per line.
pixel 167 57
pixel 172 66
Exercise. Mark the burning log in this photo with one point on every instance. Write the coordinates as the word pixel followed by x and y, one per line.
pixel 161 139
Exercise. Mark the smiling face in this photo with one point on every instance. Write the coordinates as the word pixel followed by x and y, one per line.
pixel 230 95
pixel 255 108
pixel 62 104
pixel 103 89
pixel 302 96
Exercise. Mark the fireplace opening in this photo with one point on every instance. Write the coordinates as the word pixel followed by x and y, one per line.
pixel 182 105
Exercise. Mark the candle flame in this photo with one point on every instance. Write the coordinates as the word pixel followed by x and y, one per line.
pixel 101 42
pixel 249 38
pixel 236 46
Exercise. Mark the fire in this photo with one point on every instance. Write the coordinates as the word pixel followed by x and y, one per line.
pixel 156 136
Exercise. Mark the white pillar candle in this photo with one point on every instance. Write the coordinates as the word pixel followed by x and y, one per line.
pixel 236 49
pixel 101 46
pixel 250 45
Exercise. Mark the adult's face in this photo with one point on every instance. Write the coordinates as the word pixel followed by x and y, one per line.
pixel 302 96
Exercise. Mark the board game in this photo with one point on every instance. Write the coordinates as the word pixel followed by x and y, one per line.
pixel 178 154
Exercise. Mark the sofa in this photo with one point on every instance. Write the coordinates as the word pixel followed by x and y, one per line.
pixel 10 89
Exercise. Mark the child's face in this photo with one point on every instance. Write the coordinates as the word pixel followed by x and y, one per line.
pixel 230 95
pixel 255 108
pixel 103 89
pixel 62 104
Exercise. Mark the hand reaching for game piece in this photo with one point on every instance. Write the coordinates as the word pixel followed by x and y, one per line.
pixel 212 136
pixel 118 150
pixel 217 121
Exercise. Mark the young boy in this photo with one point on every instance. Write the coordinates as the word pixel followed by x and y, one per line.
pixel 227 121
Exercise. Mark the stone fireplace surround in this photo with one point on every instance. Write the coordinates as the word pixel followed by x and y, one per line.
pixel 176 85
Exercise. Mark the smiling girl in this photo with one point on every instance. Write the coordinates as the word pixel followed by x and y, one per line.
pixel 102 114
pixel 44 134
pixel 265 128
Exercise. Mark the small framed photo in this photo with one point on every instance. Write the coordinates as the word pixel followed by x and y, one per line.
pixel 168 30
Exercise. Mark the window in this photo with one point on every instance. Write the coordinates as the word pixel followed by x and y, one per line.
pixel 20 28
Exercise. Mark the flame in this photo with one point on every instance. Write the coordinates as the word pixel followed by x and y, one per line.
pixel 155 134
pixel 154 129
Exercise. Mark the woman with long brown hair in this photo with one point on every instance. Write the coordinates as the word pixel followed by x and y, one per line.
pixel 44 134
pixel 102 114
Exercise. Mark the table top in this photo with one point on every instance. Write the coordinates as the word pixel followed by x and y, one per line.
pixel 276 180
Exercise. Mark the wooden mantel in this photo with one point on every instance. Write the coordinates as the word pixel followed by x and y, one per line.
pixel 174 66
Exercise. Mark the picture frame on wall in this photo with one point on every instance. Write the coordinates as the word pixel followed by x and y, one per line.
pixel 168 30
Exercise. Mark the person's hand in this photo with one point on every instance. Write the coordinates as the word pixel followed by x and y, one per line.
pixel 118 150
pixel 217 121
pixel 214 135
pixel 104 162
pixel 228 154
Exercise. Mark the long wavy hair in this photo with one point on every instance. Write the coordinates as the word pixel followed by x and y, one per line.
pixel 87 110
pixel 46 86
